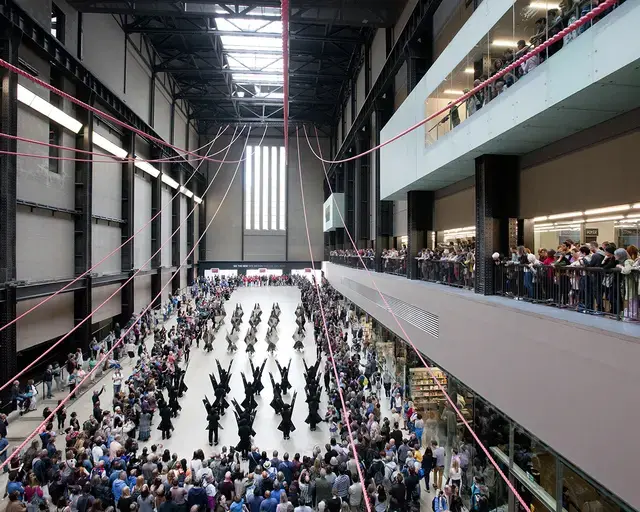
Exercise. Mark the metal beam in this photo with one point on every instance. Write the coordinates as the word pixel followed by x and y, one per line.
pixel 127 252
pixel 156 227
pixel 254 100
pixel 176 256
pixel 9 44
pixel 416 25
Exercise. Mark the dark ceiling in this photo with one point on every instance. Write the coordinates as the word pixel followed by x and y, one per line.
pixel 327 38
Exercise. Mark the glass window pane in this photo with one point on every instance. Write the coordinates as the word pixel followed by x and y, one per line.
pixel 265 187
pixel 282 184
pixel 256 190
pixel 248 198
pixel 274 187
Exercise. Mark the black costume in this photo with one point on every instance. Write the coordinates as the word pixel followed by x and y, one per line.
pixel 285 385
pixel 165 425
pixel 286 425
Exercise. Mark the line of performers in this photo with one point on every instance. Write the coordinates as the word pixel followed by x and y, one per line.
pixel 250 338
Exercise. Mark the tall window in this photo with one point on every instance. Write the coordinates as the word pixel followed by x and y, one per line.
pixel 55 130
pixel 57 23
pixel 264 186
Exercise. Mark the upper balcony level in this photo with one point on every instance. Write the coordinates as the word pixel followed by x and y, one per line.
pixel 587 79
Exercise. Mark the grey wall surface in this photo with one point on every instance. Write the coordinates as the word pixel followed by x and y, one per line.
pixel 570 384
pixel 167 206
pixel 107 178
pixel 183 228
pixel 111 308
pixel 53 319
pixel 225 236
pixel 44 245
pixel 142 214
pixel 400 218
pixel 457 210
pixel 105 238
pixel 166 278
pixel 604 179
pixel 142 293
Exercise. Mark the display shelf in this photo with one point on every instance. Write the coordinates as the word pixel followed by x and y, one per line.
pixel 425 391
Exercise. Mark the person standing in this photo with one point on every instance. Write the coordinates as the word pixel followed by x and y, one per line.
pixel 438 469
pixel 48 380
pixel 117 381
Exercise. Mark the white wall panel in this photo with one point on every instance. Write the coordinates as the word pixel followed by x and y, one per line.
pixel 142 214
pixel 44 245
pixel 138 84
pixel 162 112
pixel 193 141
pixel 400 218
pixel 167 206
pixel 107 179
pixel 50 320
pixel 142 293
pixel 104 50
pixel 184 210
pixel 105 239
pixel 183 278
pixel 180 131
pixel 166 290
pixel 456 210
pixel 111 308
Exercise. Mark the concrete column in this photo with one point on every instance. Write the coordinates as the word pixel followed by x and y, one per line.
pixel 420 205
pixel 497 201
pixel 126 253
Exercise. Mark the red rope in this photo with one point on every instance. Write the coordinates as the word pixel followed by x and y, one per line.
pixel 406 337
pixel 52 347
pixel 125 333
pixel 345 412
pixel 539 49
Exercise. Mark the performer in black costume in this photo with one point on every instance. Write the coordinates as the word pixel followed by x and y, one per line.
pixel 225 375
pixel 313 401
pixel 285 385
pixel 249 390
pixel 257 376
pixel 213 424
pixel 165 425
pixel 277 402
pixel 286 425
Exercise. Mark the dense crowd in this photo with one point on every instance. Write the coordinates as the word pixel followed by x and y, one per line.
pixel 96 464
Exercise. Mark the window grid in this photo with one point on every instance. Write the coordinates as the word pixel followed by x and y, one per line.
pixel 265 187
pixel 274 188
pixel 248 189
pixel 282 188
pixel 256 194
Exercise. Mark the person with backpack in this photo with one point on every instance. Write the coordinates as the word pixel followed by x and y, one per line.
pixel 439 503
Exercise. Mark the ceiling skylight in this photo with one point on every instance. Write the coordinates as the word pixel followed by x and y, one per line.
pixel 250 55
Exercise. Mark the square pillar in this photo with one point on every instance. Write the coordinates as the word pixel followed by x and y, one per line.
pixel 362 179
pixel 156 230
pixel 420 205
pixel 497 201
pixel 127 229
pixel 176 216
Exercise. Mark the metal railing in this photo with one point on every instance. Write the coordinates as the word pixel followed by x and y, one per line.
pixel 450 273
pixel 353 261
pixel 584 289
pixel 396 265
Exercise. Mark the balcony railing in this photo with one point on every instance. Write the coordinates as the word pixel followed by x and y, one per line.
pixel 587 290
pixel 353 261
pixel 450 273
pixel 396 265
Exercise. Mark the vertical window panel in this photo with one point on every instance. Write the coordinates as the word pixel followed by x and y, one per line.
pixel 248 189
pixel 257 189
pixel 265 187
pixel 274 187
pixel 282 185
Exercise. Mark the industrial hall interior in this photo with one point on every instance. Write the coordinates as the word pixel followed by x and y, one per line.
pixel 319 256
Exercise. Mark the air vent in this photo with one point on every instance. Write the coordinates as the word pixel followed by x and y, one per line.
pixel 423 320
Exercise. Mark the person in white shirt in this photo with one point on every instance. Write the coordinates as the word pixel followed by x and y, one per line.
pixel 355 495
pixel 117 381
pixel 96 453
pixel 455 474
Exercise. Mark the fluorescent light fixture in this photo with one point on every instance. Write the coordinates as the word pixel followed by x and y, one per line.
pixel 547 225
pixel 47 109
pixel 454 91
pixel 540 219
pixel 505 43
pixel 564 215
pixel 544 5
pixel 186 192
pixel 637 205
pixel 609 209
pixel 469 71
pixel 197 199
pixel 633 216
pixel 108 146
pixel 602 219
pixel 170 181
pixel 147 167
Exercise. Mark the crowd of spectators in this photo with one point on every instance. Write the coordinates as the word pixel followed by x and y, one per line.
pixel 451 264
pixel 593 278
pixel 546 27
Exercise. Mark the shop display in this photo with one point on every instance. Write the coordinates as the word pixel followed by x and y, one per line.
pixel 425 392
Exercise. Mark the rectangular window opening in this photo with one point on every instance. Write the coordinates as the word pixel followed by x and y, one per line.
pixel 257 189
pixel 57 23
pixel 248 188
pixel 265 187
pixel 274 188
pixel 282 184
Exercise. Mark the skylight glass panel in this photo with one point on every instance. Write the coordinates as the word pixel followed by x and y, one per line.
pixel 248 62
pixel 254 78
pixel 272 95
pixel 241 42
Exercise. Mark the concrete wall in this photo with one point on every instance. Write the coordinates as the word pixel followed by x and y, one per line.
pixel 167 207
pixel 53 319
pixel 111 308
pixel 400 218
pixel 555 377
pixel 225 236
pixel 142 214
pixel 142 293
pixel 603 172
pixel 456 210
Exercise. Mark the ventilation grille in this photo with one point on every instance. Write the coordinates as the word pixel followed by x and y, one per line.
pixel 427 322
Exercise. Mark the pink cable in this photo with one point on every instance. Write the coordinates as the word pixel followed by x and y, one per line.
pixel 113 158
pixel 125 333
pixel 406 336
pixel 19 374
pixel 326 332
pixel 284 12
pixel 559 36
pixel 104 115
pixel 47 299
